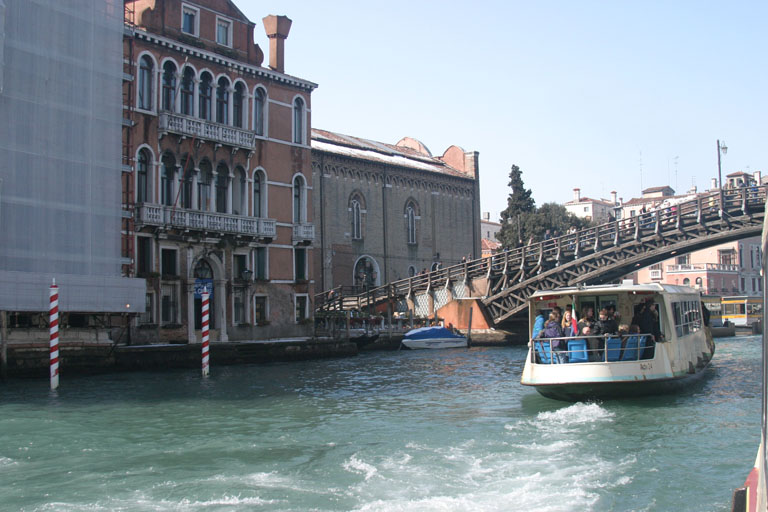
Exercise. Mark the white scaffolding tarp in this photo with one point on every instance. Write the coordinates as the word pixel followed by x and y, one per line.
pixel 60 147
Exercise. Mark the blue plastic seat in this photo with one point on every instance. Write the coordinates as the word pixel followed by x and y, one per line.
pixel 543 349
pixel 612 349
pixel 630 349
pixel 577 351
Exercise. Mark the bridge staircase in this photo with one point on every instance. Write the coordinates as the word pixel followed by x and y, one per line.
pixel 501 284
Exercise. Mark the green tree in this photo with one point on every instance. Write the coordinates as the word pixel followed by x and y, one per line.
pixel 520 204
pixel 553 217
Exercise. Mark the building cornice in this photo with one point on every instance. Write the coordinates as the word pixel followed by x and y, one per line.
pixel 224 61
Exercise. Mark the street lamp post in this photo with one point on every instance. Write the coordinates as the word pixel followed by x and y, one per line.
pixel 721 148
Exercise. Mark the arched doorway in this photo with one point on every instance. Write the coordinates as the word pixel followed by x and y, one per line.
pixel 366 274
pixel 204 280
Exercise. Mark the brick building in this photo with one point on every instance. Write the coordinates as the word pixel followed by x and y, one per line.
pixel 387 211
pixel 217 175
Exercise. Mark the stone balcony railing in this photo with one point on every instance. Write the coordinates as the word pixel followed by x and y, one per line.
pixel 206 130
pixel 703 267
pixel 193 220
pixel 303 232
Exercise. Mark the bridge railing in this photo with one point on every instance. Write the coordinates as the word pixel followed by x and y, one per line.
pixel 537 256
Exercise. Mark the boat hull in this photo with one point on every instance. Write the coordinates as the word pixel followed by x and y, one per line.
pixel 435 343
pixel 579 392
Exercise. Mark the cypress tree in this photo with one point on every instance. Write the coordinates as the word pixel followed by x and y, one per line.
pixel 519 205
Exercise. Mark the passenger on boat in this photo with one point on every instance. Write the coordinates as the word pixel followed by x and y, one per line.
pixel 612 312
pixel 552 329
pixel 568 324
pixel 605 325
pixel 538 324
pixel 587 318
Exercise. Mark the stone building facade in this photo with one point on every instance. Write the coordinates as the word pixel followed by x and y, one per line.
pixel 388 211
pixel 217 181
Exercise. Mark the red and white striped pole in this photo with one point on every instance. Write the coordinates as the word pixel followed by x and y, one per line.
pixel 206 365
pixel 53 330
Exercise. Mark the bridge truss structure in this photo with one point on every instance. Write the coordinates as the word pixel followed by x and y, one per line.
pixel 596 255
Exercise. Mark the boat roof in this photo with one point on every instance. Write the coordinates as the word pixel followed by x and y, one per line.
pixel 602 289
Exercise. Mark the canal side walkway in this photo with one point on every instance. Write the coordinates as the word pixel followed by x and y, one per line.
pixel 31 359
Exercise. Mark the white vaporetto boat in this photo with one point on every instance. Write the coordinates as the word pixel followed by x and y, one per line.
pixel 433 337
pixel 674 351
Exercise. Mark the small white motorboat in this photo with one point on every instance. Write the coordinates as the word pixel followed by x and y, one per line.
pixel 433 337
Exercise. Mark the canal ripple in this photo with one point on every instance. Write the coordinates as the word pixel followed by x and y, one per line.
pixel 386 431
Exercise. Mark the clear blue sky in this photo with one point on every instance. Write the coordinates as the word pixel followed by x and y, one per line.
pixel 578 94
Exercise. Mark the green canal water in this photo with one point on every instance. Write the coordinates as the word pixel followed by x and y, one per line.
pixel 388 431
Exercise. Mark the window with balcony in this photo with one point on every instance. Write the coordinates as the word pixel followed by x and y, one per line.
pixel 298 121
pixel 142 176
pixel 187 91
pixel 167 179
pixel 146 78
pixel 222 101
pixel 204 183
pixel 223 32
pixel 258 194
pixel 239 198
pixel 168 262
pixel 222 188
pixel 259 112
pixel 299 205
pixel 683 260
pixel 205 94
pixel 237 105
pixel 169 86
pixel 190 17
pixel 727 257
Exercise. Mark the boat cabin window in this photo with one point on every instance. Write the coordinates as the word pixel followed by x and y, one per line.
pixel 687 316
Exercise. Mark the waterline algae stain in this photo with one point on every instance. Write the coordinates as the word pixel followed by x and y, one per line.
pixel 412 431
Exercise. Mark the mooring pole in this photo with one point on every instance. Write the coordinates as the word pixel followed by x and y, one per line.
pixel 53 331
pixel 469 329
pixel 206 356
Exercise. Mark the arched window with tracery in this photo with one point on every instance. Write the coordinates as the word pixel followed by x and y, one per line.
pixel 237 105
pixel 356 210
pixel 299 206
pixel 239 197
pixel 142 176
pixel 259 112
pixel 185 181
pixel 298 121
pixel 167 179
pixel 222 101
pixel 146 79
pixel 222 188
pixel 169 86
pixel 187 91
pixel 205 94
pixel 258 194
pixel 411 216
pixel 204 197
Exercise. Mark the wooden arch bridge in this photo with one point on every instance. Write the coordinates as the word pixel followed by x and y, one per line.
pixel 597 255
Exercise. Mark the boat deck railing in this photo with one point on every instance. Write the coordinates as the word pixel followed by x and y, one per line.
pixel 608 348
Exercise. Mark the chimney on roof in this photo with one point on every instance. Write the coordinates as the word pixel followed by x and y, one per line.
pixel 487 216
pixel 277 28
pixel 758 178
pixel 713 184
pixel 577 194
pixel 613 197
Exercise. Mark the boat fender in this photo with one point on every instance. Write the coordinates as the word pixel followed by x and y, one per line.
pixel 699 362
pixel 691 368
